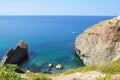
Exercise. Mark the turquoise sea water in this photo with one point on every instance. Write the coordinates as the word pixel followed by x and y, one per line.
pixel 50 38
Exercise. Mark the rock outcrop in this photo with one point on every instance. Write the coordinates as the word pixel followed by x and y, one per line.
pixel 100 43
pixel 17 55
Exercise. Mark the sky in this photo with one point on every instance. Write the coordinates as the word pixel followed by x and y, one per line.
pixel 60 7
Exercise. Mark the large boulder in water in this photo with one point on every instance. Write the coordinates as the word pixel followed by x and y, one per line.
pixel 59 66
pixel 17 55
pixel 100 43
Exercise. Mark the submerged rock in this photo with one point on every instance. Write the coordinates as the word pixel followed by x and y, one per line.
pixel 17 55
pixel 100 43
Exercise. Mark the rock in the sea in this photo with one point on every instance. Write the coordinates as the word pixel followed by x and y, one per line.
pixel 28 71
pixel 50 65
pixel 100 43
pixel 59 66
pixel 17 55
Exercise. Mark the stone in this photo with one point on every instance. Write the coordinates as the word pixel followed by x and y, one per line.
pixel 100 43
pixel 50 65
pixel 59 66
pixel 16 55
pixel 28 71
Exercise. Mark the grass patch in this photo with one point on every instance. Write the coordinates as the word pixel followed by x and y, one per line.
pixel 69 71
pixel 108 68
pixel 86 69
pixel 106 77
pixel 38 76
pixel 82 69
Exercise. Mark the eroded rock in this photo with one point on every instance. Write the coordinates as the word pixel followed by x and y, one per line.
pixel 17 55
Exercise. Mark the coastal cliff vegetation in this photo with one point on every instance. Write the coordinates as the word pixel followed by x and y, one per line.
pixel 8 72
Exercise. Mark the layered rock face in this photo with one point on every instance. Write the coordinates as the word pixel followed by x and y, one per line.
pixel 16 55
pixel 100 43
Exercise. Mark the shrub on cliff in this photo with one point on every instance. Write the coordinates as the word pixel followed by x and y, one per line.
pixel 7 72
pixel 111 67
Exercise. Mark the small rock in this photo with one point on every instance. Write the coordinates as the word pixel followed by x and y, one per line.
pixel 59 66
pixel 50 65
pixel 74 32
pixel 28 71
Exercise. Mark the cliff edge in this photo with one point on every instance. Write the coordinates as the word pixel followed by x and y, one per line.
pixel 100 43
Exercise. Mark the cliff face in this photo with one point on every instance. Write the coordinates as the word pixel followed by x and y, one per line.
pixel 16 55
pixel 100 43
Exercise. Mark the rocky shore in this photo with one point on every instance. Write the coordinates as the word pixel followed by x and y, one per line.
pixel 100 43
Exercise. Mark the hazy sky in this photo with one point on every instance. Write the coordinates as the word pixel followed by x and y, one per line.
pixel 60 7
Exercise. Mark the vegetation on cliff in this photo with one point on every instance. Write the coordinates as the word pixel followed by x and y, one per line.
pixel 108 68
pixel 8 72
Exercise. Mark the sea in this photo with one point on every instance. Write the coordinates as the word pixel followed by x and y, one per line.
pixel 50 39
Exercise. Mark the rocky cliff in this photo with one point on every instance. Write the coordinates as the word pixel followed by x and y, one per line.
pixel 16 55
pixel 100 43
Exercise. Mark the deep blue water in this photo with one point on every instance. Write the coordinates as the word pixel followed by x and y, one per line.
pixel 50 38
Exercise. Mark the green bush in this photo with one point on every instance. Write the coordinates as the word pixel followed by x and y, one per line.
pixel 118 37
pixel 7 72
pixel 111 27
pixel 90 34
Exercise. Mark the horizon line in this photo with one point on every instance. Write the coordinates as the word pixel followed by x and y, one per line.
pixel 55 15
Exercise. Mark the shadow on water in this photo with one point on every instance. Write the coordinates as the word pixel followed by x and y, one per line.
pixel 78 59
